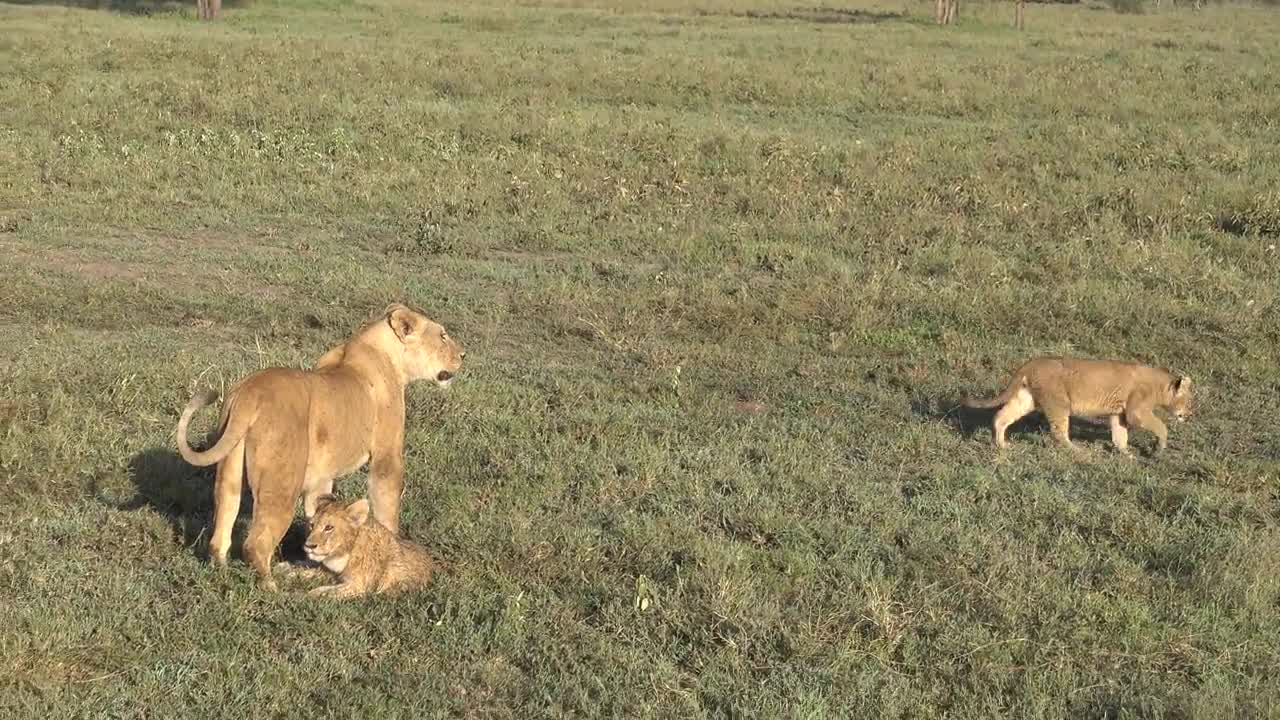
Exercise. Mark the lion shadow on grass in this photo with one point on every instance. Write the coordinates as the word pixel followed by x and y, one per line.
pixel 165 483
pixel 976 423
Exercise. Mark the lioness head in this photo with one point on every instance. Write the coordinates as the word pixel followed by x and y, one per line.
pixel 429 351
pixel 1180 398
pixel 334 528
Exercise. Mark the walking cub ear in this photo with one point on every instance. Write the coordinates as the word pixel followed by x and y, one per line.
pixel 358 511
pixel 1182 385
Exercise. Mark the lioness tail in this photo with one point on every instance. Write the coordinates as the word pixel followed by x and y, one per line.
pixel 232 434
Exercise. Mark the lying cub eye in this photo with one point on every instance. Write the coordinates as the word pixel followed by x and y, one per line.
pixel 328 528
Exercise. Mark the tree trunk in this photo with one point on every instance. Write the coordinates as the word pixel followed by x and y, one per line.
pixel 945 11
pixel 208 9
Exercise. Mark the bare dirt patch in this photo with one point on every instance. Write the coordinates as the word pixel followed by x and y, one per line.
pixel 156 265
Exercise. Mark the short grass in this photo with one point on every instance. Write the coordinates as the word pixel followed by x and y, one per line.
pixel 722 269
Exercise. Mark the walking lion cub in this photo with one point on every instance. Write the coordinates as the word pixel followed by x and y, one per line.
pixel 1126 393
pixel 366 557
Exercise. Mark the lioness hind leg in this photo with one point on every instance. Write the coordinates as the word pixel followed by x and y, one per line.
pixel 271 516
pixel 311 498
pixel 1018 406
pixel 226 503
pixel 276 479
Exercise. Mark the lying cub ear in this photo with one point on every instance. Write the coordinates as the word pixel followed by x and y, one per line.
pixel 324 501
pixel 358 511
pixel 1182 385
pixel 401 320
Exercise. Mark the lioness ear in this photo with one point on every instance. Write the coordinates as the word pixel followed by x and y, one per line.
pixel 358 511
pixel 401 320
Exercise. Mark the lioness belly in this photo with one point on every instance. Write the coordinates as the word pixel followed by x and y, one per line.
pixel 324 470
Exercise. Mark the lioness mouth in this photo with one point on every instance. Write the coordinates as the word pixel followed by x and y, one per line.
pixel 444 376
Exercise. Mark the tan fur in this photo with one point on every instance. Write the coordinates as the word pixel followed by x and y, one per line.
pixel 1125 393
pixel 366 557
pixel 296 431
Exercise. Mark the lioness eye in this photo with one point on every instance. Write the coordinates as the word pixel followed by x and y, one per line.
pixel 328 528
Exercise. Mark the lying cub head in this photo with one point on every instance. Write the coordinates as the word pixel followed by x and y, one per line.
pixel 1179 401
pixel 333 530
pixel 429 352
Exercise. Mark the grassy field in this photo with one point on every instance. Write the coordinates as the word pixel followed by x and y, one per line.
pixel 722 270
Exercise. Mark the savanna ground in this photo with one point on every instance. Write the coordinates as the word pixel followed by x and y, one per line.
pixel 723 270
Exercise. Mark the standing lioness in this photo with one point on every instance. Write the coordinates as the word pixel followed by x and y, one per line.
pixel 298 430
pixel 1126 393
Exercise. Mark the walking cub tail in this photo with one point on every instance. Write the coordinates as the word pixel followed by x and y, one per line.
pixel 1018 383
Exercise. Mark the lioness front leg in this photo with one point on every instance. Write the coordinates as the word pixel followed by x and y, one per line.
pixel 311 497
pixel 386 485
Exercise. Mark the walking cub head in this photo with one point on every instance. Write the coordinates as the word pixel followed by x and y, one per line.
pixel 333 531
pixel 429 351
pixel 1179 398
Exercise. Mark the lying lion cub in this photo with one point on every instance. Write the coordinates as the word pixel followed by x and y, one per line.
pixel 1127 393
pixel 364 555
pixel 298 430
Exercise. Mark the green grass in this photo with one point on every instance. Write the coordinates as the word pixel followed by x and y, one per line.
pixel 722 270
